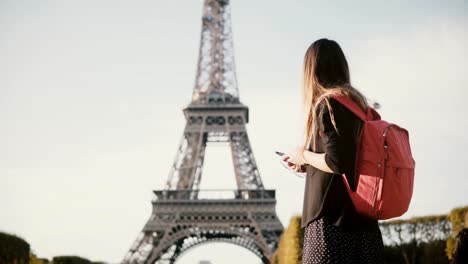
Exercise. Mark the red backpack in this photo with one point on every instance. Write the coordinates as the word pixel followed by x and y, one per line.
pixel 384 165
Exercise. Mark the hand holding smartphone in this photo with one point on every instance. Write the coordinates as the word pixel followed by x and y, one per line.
pixel 286 165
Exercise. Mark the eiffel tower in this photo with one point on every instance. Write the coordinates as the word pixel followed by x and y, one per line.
pixel 184 216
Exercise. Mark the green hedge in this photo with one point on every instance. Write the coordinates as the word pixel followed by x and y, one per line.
pixel 13 249
pixel 416 240
pixel 425 253
pixel 70 260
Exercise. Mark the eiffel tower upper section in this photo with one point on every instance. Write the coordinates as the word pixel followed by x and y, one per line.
pixel 216 81
pixel 215 112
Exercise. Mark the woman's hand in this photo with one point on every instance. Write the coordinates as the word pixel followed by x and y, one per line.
pixel 301 168
pixel 295 167
pixel 295 159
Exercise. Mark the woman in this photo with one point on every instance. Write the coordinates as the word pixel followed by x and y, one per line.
pixel 334 231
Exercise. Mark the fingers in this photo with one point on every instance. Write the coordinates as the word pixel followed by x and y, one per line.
pixel 290 164
pixel 293 166
pixel 286 157
pixel 296 168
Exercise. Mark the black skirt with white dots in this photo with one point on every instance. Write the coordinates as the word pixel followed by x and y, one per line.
pixel 327 243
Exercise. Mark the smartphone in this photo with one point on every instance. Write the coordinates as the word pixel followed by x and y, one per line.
pixel 279 153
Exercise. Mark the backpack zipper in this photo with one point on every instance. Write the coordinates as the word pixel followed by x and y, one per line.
pixel 379 165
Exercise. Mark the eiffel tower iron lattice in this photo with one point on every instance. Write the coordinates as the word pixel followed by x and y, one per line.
pixel 184 216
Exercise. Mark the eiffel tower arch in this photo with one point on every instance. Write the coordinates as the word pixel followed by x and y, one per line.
pixel 184 216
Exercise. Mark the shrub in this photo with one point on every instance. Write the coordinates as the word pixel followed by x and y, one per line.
pixel 290 244
pixel 456 218
pixel 70 260
pixel 13 249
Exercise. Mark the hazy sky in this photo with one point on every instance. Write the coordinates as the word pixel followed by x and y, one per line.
pixel 91 94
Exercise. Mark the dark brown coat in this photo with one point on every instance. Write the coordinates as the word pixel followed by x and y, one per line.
pixel 325 193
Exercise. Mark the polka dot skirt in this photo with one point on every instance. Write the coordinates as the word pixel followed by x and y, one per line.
pixel 327 243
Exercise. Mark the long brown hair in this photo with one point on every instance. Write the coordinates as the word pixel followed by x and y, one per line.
pixel 325 72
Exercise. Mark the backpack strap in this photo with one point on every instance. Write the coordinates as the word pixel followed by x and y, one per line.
pixel 370 114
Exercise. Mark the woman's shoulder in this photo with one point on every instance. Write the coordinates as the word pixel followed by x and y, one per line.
pixel 332 105
pixel 333 114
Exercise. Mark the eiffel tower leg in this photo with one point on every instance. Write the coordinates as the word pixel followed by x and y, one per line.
pixel 186 169
pixel 247 174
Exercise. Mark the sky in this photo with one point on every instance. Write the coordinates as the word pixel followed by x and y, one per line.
pixel 91 98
